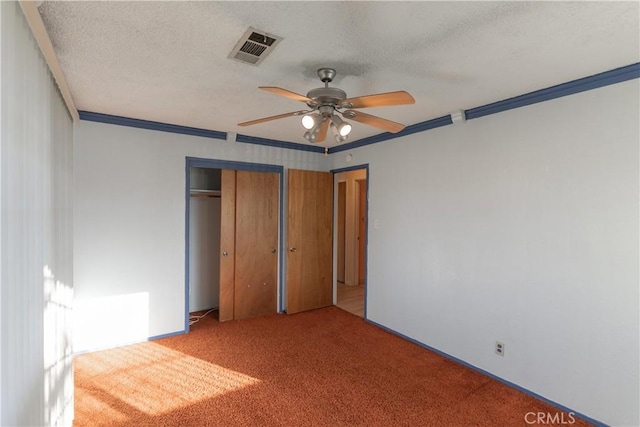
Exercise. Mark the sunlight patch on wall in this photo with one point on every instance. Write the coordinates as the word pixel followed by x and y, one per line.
pixel 58 376
pixel 155 379
pixel 110 321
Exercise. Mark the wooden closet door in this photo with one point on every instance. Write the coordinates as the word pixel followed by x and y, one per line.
pixel 310 233
pixel 256 255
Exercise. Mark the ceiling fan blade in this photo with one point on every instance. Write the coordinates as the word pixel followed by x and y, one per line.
pixel 268 119
pixel 380 100
pixel 324 126
pixel 374 121
pixel 286 93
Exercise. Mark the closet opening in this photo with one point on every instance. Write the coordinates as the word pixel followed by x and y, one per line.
pixel 204 242
pixel 233 239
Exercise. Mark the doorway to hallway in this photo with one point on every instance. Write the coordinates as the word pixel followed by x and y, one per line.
pixel 350 214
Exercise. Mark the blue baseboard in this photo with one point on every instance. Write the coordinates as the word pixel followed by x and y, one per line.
pixel 171 334
pixel 490 375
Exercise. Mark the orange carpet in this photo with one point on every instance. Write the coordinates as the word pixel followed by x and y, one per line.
pixel 320 368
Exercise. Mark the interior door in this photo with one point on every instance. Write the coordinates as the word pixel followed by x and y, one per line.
pixel 310 232
pixel 248 244
pixel 342 210
pixel 256 260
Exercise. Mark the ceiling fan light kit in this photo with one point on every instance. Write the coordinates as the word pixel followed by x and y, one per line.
pixel 312 134
pixel 326 103
pixel 309 120
pixel 343 128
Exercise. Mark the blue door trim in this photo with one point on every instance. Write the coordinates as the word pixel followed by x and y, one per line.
pixel 244 166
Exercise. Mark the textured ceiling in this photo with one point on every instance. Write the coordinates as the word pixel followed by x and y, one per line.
pixel 168 61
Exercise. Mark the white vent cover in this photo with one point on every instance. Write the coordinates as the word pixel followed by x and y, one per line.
pixel 254 46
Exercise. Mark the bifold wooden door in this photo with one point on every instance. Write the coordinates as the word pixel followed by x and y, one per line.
pixel 310 234
pixel 248 244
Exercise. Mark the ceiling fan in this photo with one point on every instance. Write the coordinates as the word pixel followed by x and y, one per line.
pixel 325 102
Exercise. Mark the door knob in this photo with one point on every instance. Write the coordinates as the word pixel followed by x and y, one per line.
pixel 225 253
pixel 292 249
pixel 273 251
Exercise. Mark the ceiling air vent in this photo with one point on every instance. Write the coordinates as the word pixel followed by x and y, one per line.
pixel 254 46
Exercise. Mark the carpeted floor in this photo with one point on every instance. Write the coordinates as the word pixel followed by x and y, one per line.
pixel 320 368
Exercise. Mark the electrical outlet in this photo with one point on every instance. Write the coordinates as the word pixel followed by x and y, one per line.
pixel 499 348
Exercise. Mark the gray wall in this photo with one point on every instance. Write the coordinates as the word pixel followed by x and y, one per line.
pixel 520 227
pixel 36 256
pixel 129 227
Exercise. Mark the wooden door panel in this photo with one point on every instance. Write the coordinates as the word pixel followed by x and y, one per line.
pixel 342 210
pixel 310 233
pixel 227 244
pixel 295 233
pixel 256 243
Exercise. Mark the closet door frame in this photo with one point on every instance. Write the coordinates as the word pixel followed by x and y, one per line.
pixel 239 166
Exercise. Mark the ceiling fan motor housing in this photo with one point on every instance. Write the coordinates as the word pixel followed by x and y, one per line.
pixel 325 96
